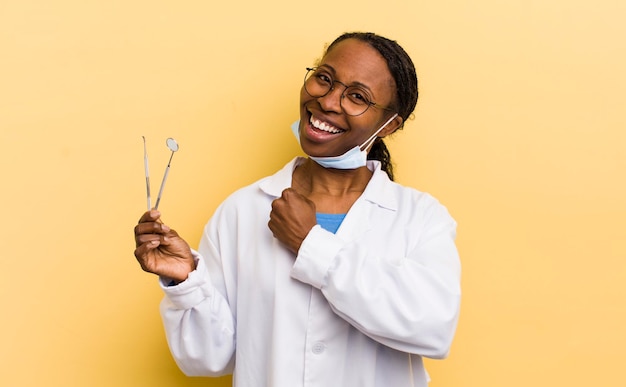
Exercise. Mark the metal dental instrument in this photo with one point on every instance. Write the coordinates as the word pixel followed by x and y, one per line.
pixel 145 165
pixel 173 146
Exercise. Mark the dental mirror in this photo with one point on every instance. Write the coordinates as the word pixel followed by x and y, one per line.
pixel 173 146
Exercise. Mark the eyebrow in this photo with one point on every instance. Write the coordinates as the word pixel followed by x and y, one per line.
pixel 357 83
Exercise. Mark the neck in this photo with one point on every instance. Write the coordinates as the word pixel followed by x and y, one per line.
pixel 311 178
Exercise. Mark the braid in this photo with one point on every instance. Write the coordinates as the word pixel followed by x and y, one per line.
pixel 403 72
pixel 380 152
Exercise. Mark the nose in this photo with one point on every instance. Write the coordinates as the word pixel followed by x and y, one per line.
pixel 332 100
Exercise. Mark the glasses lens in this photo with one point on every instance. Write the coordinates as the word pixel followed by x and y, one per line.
pixel 317 83
pixel 354 100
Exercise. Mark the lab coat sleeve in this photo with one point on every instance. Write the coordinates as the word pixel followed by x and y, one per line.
pixel 198 321
pixel 408 303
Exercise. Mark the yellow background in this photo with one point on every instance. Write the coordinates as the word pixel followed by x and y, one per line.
pixel 520 131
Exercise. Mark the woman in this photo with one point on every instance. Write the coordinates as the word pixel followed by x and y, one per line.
pixel 327 273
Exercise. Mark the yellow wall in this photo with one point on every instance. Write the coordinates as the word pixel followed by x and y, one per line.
pixel 520 131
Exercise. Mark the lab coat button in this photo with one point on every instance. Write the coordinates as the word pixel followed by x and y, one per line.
pixel 318 348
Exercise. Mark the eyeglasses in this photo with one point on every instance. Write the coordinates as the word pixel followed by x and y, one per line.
pixel 354 100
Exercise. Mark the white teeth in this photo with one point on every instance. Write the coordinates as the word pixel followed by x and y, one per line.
pixel 324 126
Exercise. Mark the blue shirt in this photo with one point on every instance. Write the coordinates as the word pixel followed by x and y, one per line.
pixel 330 222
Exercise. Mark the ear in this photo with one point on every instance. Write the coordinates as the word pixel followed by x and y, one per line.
pixel 391 127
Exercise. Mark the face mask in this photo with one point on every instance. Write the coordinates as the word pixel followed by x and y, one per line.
pixel 352 159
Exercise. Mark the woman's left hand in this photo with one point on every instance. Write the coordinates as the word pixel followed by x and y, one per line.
pixel 291 218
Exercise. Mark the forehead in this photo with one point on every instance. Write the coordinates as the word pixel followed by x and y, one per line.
pixel 355 61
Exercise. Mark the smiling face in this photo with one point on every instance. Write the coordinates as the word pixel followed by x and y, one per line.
pixel 325 129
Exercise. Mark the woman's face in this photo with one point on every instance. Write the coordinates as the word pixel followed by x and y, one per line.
pixel 325 130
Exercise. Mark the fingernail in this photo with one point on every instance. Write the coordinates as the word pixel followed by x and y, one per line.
pixel 165 228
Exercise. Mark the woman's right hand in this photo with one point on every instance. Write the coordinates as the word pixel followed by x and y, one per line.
pixel 160 250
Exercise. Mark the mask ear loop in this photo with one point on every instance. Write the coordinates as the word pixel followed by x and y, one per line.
pixel 368 143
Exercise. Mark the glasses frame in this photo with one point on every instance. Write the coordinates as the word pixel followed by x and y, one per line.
pixel 312 70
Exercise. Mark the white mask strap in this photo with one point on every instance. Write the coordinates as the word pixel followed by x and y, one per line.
pixel 370 140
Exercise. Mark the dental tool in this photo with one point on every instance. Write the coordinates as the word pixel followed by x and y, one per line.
pixel 145 165
pixel 173 146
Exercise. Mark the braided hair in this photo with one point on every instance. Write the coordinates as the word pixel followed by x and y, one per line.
pixel 403 72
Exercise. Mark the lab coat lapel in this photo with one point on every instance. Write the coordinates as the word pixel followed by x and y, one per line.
pixel 356 222
pixel 376 195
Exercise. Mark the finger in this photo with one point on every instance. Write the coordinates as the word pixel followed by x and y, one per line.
pixel 147 238
pixel 275 203
pixel 288 192
pixel 276 214
pixel 166 241
pixel 150 216
pixel 143 254
pixel 143 249
pixel 151 228
pixel 271 226
pixel 171 240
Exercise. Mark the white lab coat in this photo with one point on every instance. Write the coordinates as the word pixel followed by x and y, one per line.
pixel 358 308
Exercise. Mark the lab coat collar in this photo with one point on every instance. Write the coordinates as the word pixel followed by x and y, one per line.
pixel 377 191
pixel 275 185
